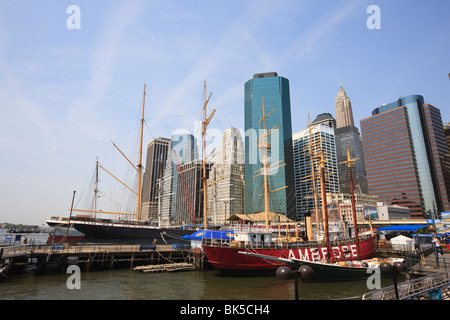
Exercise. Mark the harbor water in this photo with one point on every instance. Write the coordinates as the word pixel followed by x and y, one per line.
pixel 193 285
pixel 127 284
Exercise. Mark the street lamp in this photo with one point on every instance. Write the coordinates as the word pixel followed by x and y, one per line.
pixel 393 269
pixel 285 273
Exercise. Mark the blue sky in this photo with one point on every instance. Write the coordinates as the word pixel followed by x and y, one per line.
pixel 64 94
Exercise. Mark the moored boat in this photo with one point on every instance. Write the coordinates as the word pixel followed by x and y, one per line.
pixel 227 257
pixel 254 253
pixel 131 229
pixel 64 234
pixel 335 271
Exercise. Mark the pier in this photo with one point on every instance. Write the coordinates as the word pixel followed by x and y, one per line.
pixel 44 259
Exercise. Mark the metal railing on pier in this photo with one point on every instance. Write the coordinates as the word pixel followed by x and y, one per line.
pixel 24 250
pixel 431 287
pixel 426 262
pixel 14 251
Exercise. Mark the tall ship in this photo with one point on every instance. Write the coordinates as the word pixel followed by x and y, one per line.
pixel 128 228
pixel 256 252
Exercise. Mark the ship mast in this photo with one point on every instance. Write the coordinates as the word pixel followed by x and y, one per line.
pixel 313 175
pixel 96 186
pixel 323 194
pixel 205 123
pixel 139 166
pixel 349 163
pixel 264 145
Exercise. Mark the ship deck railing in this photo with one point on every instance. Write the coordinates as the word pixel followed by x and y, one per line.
pixel 276 244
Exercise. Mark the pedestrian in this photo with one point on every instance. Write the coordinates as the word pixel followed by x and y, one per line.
pixel 438 245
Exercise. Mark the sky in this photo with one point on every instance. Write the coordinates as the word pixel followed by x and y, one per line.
pixel 72 81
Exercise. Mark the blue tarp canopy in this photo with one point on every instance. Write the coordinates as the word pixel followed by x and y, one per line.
pixel 403 228
pixel 210 234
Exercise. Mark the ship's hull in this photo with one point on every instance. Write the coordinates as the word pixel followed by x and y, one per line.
pixel 64 234
pixel 229 260
pixel 333 272
pixel 123 232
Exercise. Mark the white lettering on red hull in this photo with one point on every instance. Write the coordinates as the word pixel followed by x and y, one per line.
pixel 317 254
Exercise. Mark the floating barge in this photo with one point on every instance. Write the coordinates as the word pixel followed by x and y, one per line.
pixel 170 267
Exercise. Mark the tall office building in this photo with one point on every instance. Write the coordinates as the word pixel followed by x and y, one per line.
pixel 189 200
pixel 182 149
pixel 326 119
pixel 405 149
pixel 344 111
pixel 348 137
pixel 320 141
pixel 447 134
pixel 154 169
pixel 226 194
pixel 275 91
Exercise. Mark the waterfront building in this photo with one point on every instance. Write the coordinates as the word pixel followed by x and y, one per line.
pixel 226 194
pixel 348 137
pixel 367 207
pixel 182 149
pixel 275 92
pixel 405 153
pixel 321 140
pixel 360 198
pixel 392 212
pixel 154 169
pixel 345 213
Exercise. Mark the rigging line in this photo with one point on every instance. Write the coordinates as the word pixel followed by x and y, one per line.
pixel 146 125
pixel 159 117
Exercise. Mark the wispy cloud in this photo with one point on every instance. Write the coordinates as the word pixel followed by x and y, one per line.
pixel 106 52
pixel 234 49
pixel 325 27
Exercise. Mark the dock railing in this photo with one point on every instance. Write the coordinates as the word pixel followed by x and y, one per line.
pixel 13 251
pixel 432 287
pixel 24 250
pixel 427 260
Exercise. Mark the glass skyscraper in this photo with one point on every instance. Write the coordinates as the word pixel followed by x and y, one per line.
pixel 405 153
pixel 275 91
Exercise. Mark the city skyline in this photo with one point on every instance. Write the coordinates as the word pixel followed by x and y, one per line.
pixel 64 93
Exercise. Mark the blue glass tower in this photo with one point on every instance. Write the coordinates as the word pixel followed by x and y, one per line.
pixel 275 91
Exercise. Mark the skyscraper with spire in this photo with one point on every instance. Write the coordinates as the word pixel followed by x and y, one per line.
pixel 347 137
pixel 344 112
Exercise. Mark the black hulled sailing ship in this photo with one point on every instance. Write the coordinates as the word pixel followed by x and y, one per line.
pixel 128 230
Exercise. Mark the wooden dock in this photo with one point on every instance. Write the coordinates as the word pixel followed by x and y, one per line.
pixel 45 259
